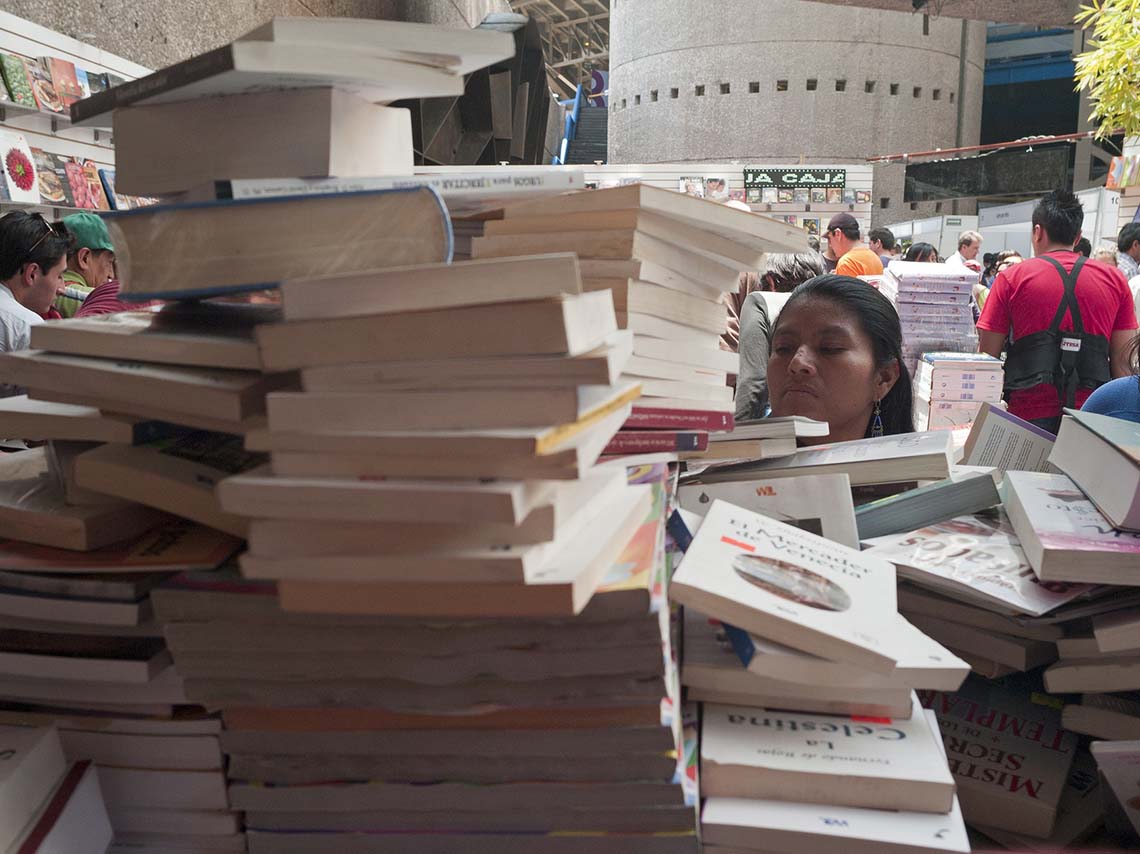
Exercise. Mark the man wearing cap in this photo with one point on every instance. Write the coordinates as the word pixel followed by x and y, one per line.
pixel 90 263
pixel 843 239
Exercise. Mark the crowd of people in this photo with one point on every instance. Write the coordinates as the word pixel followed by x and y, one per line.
pixel 816 340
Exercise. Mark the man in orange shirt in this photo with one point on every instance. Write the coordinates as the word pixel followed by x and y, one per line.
pixel 855 259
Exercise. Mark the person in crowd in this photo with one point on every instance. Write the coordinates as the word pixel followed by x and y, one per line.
pixel 989 268
pixel 1119 398
pixel 844 241
pixel 90 263
pixel 882 242
pixel 1001 261
pixel 813 243
pixel 836 356
pixel 760 309
pixel 969 245
pixel 1083 247
pixel 1069 322
pixel 1128 250
pixel 923 252
pixel 1105 255
pixel 33 256
pixel 734 302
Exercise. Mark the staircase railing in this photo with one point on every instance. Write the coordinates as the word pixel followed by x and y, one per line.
pixel 570 128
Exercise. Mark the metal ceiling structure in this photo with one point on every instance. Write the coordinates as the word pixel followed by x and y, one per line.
pixel 576 36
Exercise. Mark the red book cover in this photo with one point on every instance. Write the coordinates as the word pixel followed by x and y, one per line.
pixel 651 441
pixel 65 79
pixel 648 417
pixel 95 186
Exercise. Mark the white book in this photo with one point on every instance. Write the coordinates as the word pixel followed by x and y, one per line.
pixel 976 558
pixel 789 585
pixel 785 828
pixel 1006 442
pixel 817 503
pixel 32 763
pixel 788 426
pixel 789 756
pixel 1119 762
pixel 71 820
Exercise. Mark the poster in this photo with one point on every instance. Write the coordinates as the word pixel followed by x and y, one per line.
pixel 811 226
pixel 736 196
pixel 862 197
pixel 692 186
pixel 818 196
pixel 716 189
pixel 834 196
pixel 769 195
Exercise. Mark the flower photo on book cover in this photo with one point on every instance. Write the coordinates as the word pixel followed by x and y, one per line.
pixel 19 169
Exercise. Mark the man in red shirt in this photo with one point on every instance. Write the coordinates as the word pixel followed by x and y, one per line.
pixel 1067 334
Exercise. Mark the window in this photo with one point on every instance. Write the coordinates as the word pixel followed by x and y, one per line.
pixel 869 87
pixel 674 93
pixel 812 84
pixel 725 88
pixel 700 90
pixel 894 88
pixel 652 94
pixel 937 94
pixel 754 87
pixel 918 91
pixel 840 85
pixel 884 202
pixel 914 206
pixel 781 85
pixel 637 100
pixel 938 207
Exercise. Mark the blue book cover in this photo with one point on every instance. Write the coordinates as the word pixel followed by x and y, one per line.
pixel 741 643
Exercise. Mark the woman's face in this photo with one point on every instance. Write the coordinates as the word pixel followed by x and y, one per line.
pixel 822 366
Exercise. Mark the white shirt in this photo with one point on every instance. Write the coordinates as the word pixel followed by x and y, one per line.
pixel 16 324
pixel 956 258
pixel 1134 284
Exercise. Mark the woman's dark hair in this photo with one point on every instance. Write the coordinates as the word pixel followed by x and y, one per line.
pixel 785 272
pixel 30 239
pixel 921 252
pixel 880 322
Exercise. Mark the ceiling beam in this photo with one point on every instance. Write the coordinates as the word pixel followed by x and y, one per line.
pixel 578 60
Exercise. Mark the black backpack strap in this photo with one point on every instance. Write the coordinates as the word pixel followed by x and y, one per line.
pixel 1067 377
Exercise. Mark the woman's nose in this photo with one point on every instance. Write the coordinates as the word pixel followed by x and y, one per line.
pixel 802 361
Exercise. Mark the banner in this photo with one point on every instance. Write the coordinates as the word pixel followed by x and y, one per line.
pixel 793 177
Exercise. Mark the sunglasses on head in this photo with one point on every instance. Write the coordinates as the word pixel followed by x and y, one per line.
pixel 51 231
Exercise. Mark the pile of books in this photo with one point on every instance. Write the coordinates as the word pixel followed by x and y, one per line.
pixel 816 635
pixel 949 388
pixel 667 258
pixel 933 301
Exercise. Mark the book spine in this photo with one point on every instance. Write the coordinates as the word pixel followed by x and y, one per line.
pixel 651 441
pixel 679 531
pixel 646 417
pixel 741 643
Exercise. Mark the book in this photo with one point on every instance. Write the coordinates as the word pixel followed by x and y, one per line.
pixel 962 361
pixel 1108 721
pixel 694 355
pixel 432 286
pixel 20 179
pixel 64 79
pixel 565 326
pixel 889 459
pixel 51 177
pixel 663 413
pixel 1016 653
pixel 563 591
pixel 958 495
pixel 790 586
pixel 1064 537
pixel 652 441
pixel 1117 762
pixel 820 504
pixel 1094 675
pixel 177 475
pixel 332 132
pixel 919 601
pixel 1116 631
pixel 786 427
pixel 977 559
pixel 370 71
pixel 41 420
pixel 94 658
pixel 457 409
pixel 1006 442
pixel 16 80
pixel 43 87
pixel 1102 456
pixel 785 756
pixel 33 766
pixel 220 254
pixel 71 818
pixel 1009 755
pixel 184 395
pixel 738 825
pixel 202 334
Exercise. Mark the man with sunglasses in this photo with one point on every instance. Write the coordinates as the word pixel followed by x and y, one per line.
pixel 33 256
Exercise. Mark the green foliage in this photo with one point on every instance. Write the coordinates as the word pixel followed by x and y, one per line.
pixel 1110 70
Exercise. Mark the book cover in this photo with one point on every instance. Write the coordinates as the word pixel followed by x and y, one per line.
pixel 785 197
pixel 848 196
pixel 1119 763
pixel 17 81
pixel 43 87
pixel 32 764
pixel 790 586
pixel 117 202
pixel 77 185
pixel 789 756
pixel 818 196
pixel 835 195
pixel 978 558
pixel 811 226
pixel 65 80
pixel 652 441
pixel 753 196
pixel 692 186
pixel 20 178
pixel 820 504
pixel 716 189
pixel 769 195
pixel 862 197
pixel 51 178
pixel 84 83
pixel 95 186
pixel 801 196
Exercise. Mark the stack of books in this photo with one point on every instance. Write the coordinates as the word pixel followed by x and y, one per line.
pixel 949 388
pixel 667 258
pixel 756 440
pixel 815 631
pixel 48 806
pixel 933 301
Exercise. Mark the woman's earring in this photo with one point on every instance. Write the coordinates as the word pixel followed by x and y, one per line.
pixel 877 422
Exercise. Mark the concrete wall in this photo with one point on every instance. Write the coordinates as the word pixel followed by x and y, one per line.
pixel 156 33
pixel 753 47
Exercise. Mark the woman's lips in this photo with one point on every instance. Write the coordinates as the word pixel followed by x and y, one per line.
pixel 797 389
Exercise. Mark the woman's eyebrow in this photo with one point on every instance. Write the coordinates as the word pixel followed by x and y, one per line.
pixel 836 330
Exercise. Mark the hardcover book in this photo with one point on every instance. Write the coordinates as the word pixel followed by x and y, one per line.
pixel 1102 456
pixel 21 183
pixel 17 81
pixel 786 756
pixel 790 586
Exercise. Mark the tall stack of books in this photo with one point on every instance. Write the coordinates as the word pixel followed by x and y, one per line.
pixel 933 301
pixel 79 646
pixel 949 388
pixel 816 633
pixel 667 258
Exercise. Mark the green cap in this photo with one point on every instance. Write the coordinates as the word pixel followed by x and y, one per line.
pixel 89 230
